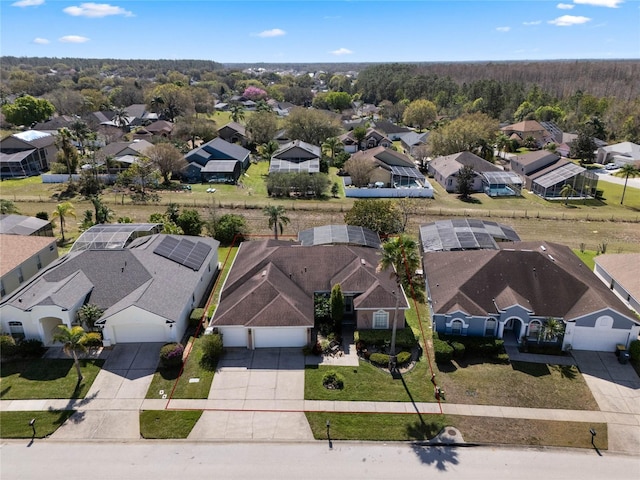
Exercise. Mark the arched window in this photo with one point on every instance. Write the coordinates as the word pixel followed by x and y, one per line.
pixel 456 327
pixel 381 319
pixel 490 327
pixel 534 329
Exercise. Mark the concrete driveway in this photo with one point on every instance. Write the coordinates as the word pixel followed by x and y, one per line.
pixel 110 409
pixel 247 386
pixel 616 389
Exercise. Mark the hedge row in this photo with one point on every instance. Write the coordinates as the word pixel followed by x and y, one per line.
pixel 382 359
pixel 404 338
pixel 483 346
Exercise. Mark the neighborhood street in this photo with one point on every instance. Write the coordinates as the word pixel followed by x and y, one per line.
pixel 349 460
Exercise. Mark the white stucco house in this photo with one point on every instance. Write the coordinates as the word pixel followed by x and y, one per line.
pixel 146 290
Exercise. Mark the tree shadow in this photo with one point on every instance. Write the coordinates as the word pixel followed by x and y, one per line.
pixel 472 200
pixel 533 369
pixel 566 371
pixel 441 457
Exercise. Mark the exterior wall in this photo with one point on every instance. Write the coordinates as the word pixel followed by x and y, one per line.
pixel 364 318
pixel 31 320
pixel 607 328
pixel 11 280
pixel 139 317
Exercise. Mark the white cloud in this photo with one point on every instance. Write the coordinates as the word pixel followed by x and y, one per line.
pixel 73 39
pixel 27 3
pixel 600 3
pixel 565 6
pixel 274 32
pixel 96 10
pixel 41 41
pixel 535 22
pixel 341 51
pixel 569 20
pixel 503 29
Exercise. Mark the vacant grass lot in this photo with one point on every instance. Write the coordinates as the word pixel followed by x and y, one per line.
pixel 484 430
pixel 519 384
pixel 16 424
pixel 162 424
pixel 165 378
pixel 40 378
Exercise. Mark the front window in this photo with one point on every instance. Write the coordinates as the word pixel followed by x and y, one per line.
pixel 456 327
pixel 381 319
pixel 16 330
pixel 490 328
pixel 534 329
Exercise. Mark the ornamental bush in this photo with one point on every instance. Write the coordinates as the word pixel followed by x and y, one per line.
pixel 212 349
pixel 171 355
pixel 442 350
pixel 196 317
pixel 31 348
pixel 634 350
pixel 403 358
pixel 458 349
pixel 8 346
pixel 332 380
pixel 379 359
pixel 92 339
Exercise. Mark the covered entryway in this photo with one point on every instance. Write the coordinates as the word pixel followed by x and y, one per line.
pixel 513 329
pixel 279 337
pixel 49 329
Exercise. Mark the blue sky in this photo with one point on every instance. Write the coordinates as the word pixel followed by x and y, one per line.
pixel 323 31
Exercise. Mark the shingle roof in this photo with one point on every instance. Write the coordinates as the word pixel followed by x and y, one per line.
pixel 16 249
pixel 20 224
pixel 618 266
pixel 217 149
pixel 451 164
pixel 272 283
pixel 546 278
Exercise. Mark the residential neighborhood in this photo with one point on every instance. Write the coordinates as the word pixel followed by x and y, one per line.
pixel 282 255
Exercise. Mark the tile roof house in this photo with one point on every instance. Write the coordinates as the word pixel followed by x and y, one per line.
pixel 445 170
pixel 268 298
pixel 616 272
pixel 26 154
pixel 147 290
pixel 297 157
pixel 216 161
pixel 512 291
pixel 23 257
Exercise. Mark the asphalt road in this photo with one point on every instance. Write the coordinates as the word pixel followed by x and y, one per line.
pixel 345 460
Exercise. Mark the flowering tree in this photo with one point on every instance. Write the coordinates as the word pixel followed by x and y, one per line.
pixel 254 93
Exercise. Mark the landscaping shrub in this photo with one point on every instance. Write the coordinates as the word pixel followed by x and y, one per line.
pixel 403 358
pixel 458 349
pixel 92 339
pixel 478 346
pixel 634 350
pixel 31 348
pixel 442 351
pixel 332 380
pixel 379 359
pixel 171 355
pixel 212 349
pixel 196 317
pixel 405 338
pixel 8 347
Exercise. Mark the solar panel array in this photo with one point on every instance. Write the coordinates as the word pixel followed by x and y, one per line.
pixel 464 234
pixel 345 234
pixel 409 172
pixel 559 175
pixel 279 165
pixel 185 252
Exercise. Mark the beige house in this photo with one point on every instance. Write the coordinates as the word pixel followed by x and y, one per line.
pixel 22 258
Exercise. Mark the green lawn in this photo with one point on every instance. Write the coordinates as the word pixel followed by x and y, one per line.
pixel 40 378
pixel 483 430
pixel 16 424
pixel 165 379
pixel 587 257
pixel 226 255
pixel 168 423
pixel 519 384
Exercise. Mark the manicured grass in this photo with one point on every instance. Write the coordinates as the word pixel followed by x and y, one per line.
pixel 519 384
pixel 165 379
pixel 16 424
pixel 40 378
pixel 369 383
pixel 168 423
pixel 482 430
pixel 226 255
pixel 587 257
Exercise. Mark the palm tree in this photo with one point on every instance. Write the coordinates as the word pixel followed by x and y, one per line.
pixel 266 150
pixel 72 343
pixel 277 218
pixel 551 330
pixel 120 117
pixel 333 145
pixel 501 142
pixel 80 132
pixel 63 210
pixel 566 191
pixel 626 171
pixel 237 113
pixel 401 257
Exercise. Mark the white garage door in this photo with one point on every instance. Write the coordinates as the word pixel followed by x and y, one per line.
pixel 139 333
pixel 234 336
pixel 279 337
pixel 598 339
